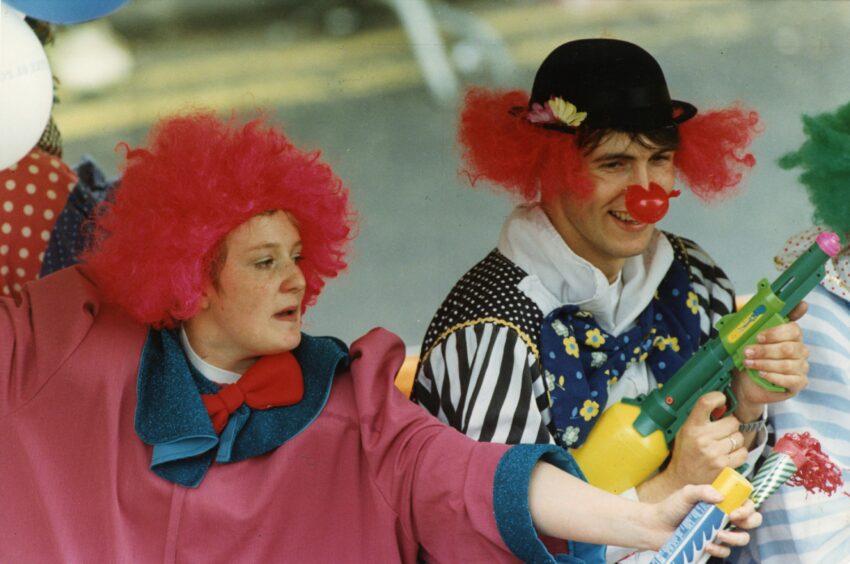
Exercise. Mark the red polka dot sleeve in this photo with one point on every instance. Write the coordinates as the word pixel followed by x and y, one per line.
pixel 32 194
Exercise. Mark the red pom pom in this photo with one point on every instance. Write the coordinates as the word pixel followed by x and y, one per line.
pixel 817 471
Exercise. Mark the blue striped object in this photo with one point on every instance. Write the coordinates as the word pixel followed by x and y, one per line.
pixel 697 529
pixel 800 527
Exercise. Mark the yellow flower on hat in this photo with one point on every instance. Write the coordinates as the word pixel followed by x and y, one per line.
pixel 566 113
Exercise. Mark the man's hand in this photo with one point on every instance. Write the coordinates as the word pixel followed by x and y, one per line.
pixel 701 450
pixel 780 357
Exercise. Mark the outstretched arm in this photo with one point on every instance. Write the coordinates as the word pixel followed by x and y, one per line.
pixel 604 518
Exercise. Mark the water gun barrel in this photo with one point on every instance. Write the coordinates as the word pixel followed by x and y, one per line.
pixel 807 271
pixel 771 304
pixel 710 368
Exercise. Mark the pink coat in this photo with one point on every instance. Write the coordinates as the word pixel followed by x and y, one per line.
pixel 371 479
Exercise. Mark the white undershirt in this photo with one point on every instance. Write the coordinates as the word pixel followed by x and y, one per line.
pixel 214 373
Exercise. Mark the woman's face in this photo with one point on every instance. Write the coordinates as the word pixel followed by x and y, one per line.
pixel 255 307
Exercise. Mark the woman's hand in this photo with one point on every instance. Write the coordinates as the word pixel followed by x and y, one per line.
pixel 665 516
pixel 745 517
pixel 564 507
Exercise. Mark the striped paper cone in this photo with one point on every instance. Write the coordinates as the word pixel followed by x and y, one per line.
pixel 776 470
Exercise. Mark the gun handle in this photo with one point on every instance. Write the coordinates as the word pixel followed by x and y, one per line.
pixel 738 355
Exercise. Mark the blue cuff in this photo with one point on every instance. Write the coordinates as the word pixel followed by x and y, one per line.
pixel 510 505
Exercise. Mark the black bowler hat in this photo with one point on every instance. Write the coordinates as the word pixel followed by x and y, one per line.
pixel 616 83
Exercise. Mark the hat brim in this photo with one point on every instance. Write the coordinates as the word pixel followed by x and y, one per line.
pixel 682 111
pixel 634 120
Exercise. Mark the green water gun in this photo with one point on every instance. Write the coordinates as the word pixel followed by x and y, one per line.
pixel 630 440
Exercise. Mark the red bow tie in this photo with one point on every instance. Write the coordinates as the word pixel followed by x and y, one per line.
pixel 272 381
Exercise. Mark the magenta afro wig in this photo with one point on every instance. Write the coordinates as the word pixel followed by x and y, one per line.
pixel 535 163
pixel 198 179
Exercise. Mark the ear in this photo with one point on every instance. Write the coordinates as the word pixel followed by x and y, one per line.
pixel 205 296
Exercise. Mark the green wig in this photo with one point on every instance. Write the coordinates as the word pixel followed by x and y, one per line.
pixel 825 160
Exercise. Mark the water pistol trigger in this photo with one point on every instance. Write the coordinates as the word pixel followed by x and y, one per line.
pixel 731 405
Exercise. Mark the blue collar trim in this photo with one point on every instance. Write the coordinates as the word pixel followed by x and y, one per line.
pixel 171 417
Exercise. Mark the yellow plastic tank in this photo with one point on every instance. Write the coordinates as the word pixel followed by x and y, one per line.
pixel 615 457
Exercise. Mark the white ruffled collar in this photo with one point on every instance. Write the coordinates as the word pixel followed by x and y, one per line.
pixel 557 276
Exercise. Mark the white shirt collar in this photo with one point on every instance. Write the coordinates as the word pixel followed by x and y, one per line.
pixel 210 372
pixel 557 276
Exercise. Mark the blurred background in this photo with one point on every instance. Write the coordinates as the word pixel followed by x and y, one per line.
pixel 376 84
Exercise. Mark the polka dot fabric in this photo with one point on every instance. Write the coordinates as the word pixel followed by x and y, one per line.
pixel 32 194
pixel 71 234
pixel 488 290
pixel 837 278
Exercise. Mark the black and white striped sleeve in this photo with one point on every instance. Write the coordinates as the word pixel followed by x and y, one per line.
pixel 483 380
pixel 712 286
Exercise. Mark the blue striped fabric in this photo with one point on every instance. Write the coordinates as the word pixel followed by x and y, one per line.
pixel 798 526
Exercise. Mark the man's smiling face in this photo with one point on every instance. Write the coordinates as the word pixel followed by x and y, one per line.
pixel 597 226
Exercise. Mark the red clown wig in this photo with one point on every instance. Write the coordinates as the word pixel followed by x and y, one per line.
pixel 197 180
pixel 500 145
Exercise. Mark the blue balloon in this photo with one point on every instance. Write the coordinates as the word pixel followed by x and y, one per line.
pixel 66 11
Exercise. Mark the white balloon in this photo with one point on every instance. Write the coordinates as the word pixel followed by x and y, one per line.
pixel 5 8
pixel 26 88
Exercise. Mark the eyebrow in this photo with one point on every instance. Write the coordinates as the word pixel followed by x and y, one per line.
pixel 626 156
pixel 263 246
pixel 613 156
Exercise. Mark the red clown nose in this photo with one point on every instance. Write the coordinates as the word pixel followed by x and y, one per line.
pixel 648 206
